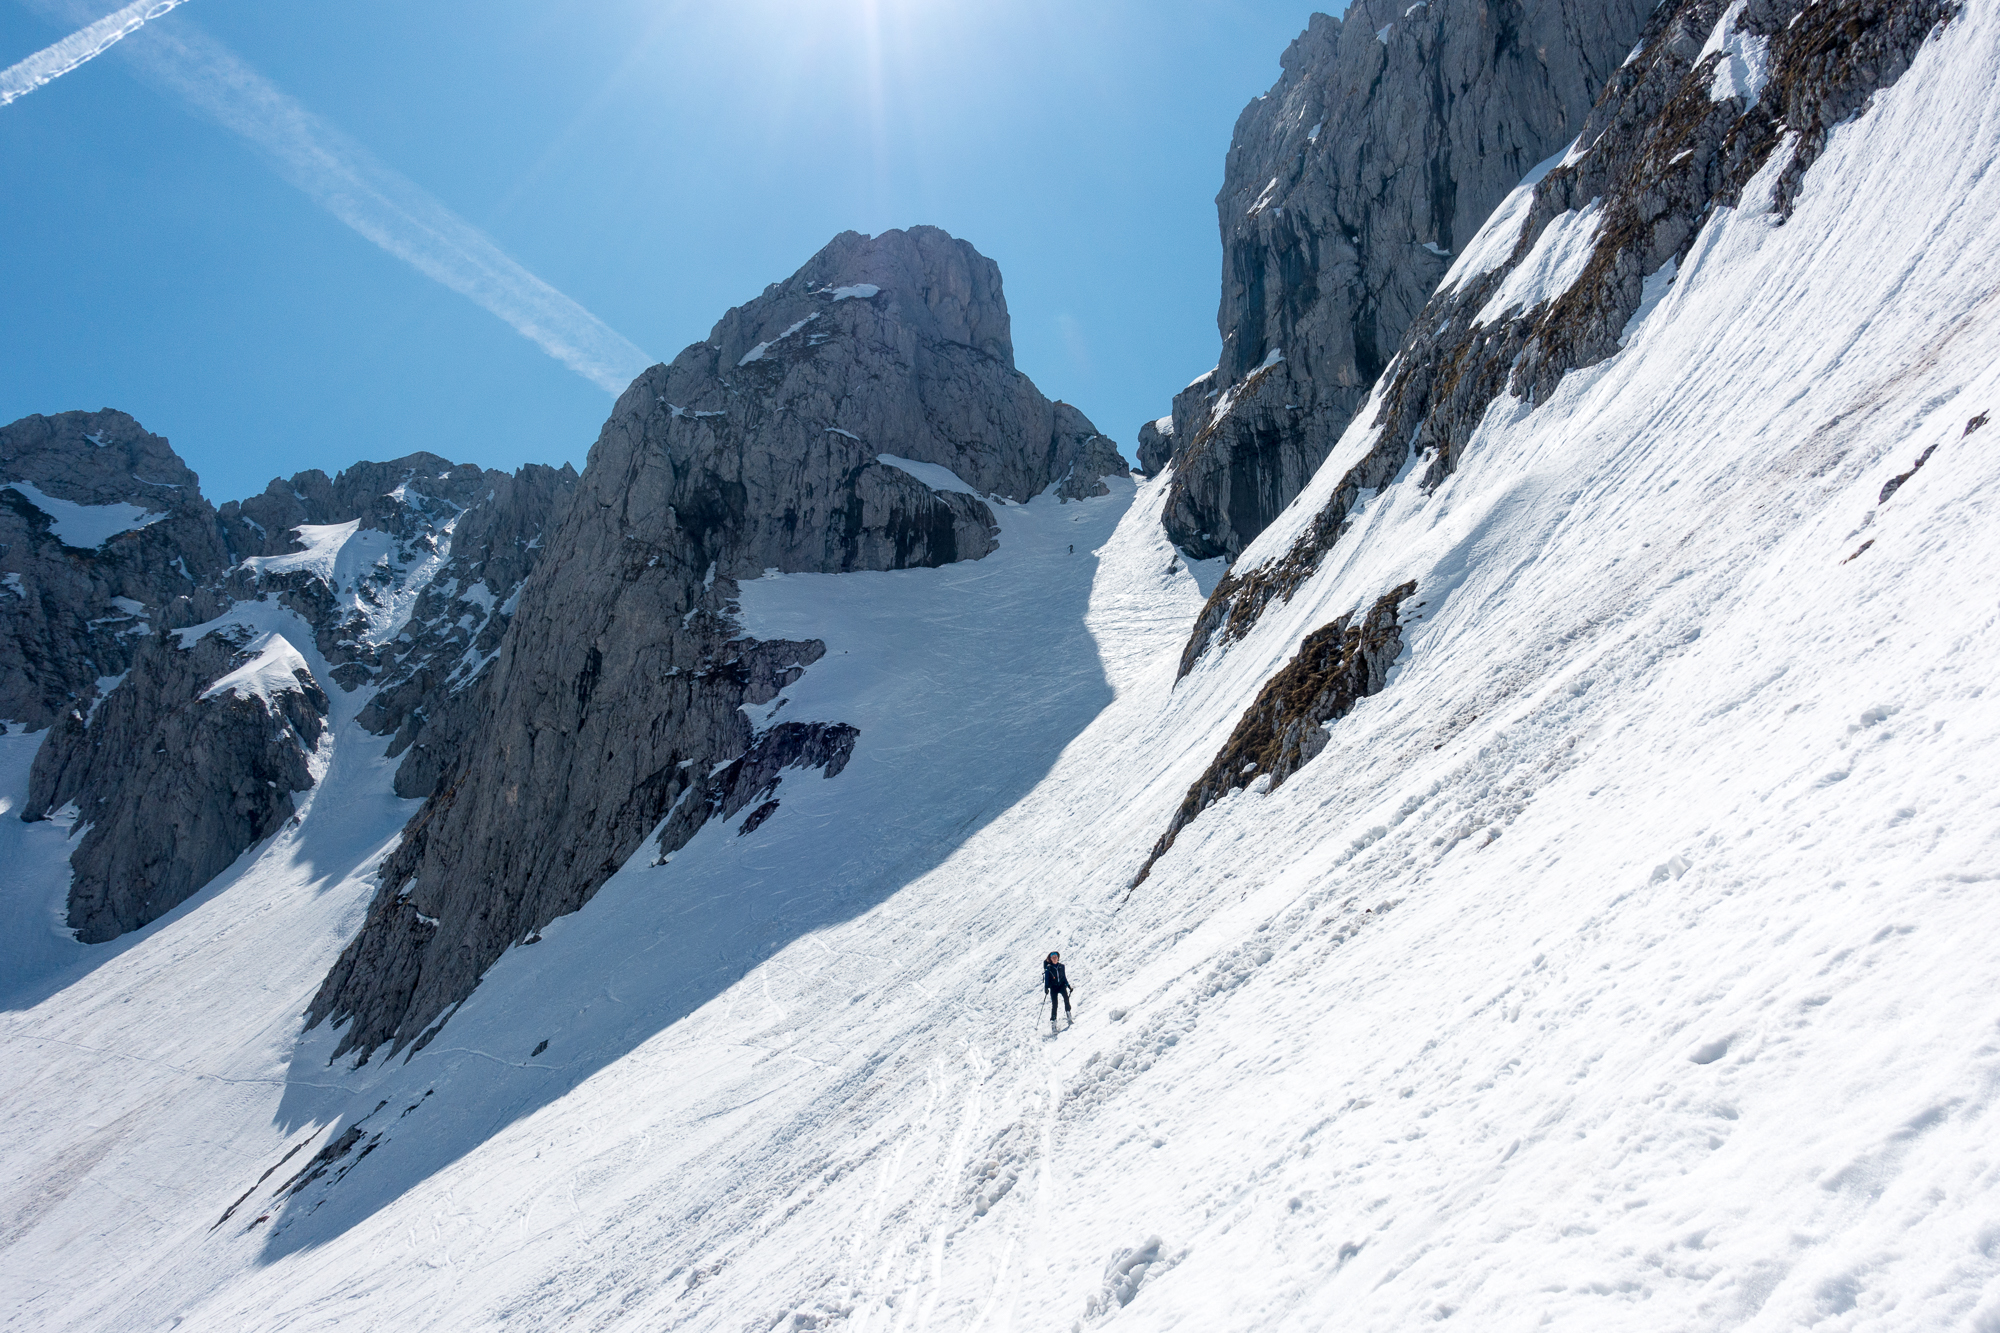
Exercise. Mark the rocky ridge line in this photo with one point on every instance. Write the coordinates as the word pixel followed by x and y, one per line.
pixel 1713 92
pixel 74 612
pixel 1336 667
pixel 621 686
pixel 179 732
pixel 1388 139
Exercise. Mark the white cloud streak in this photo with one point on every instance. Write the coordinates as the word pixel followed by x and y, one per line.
pixel 52 62
pixel 374 199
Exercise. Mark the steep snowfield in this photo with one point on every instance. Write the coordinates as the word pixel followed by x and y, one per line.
pixel 1627 963
pixel 373 574
pixel 141 1073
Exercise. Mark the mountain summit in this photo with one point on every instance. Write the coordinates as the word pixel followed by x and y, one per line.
pixel 1545 881
pixel 850 418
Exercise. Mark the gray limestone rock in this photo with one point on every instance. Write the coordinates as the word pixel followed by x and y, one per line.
pixel 193 759
pixel 107 548
pixel 1094 459
pixel 418 505
pixel 1388 139
pixel 105 539
pixel 897 344
pixel 618 689
pixel 756 775
pixel 1661 152
pixel 405 497
pixel 428 673
pixel 1156 445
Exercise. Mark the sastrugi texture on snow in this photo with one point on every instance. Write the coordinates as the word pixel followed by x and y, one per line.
pixel 1388 139
pixel 1578 254
pixel 618 696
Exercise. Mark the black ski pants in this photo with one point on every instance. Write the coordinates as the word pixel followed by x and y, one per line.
pixel 1055 995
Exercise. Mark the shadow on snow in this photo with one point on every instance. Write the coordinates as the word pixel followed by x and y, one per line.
pixel 967 682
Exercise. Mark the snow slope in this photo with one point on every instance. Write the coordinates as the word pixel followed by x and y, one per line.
pixel 86 526
pixel 270 669
pixel 1627 963
pixel 374 575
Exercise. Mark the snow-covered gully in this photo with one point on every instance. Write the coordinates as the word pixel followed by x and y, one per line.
pixel 1625 962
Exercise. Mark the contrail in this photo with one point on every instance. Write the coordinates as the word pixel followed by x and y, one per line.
pixel 52 62
pixel 376 200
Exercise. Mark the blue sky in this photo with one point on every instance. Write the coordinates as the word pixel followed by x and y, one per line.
pixel 654 162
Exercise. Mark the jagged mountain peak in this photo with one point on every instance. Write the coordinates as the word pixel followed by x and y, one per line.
pixel 95 458
pixel 402 496
pixel 922 279
pixel 863 415
pixel 920 319
pixel 130 602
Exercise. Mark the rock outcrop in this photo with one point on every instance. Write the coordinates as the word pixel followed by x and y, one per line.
pixel 425 675
pixel 614 706
pixel 178 729
pixel 195 757
pixel 386 601
pixel 1336 667
pixel 105 540
pixel 1156 445
pixel 1714 95
pixel 1388 139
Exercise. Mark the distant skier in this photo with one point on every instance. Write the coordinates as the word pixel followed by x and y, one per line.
pixel 1056 982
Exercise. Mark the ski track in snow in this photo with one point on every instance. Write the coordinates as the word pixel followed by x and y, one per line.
pixel 1627 963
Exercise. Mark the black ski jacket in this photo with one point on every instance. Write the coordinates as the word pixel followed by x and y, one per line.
pixel 1054 978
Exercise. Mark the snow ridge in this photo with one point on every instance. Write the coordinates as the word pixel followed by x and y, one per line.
pixel 1625 962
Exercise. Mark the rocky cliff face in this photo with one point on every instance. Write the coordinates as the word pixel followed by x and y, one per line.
pixel 615 705
pixel 105 541
pixel 423 528
pixel 178 726
pixel 1386 142
pixel 1336 666
pixel 1156 445
pixel 193 758
pixel 426 676
pixel 1720 106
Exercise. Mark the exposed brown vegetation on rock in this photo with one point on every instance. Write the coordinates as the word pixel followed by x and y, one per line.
pixel 1336 667
pixel 1390 135
pixel 1660 155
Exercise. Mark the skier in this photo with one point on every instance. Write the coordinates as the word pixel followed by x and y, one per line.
pixel 1056 982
